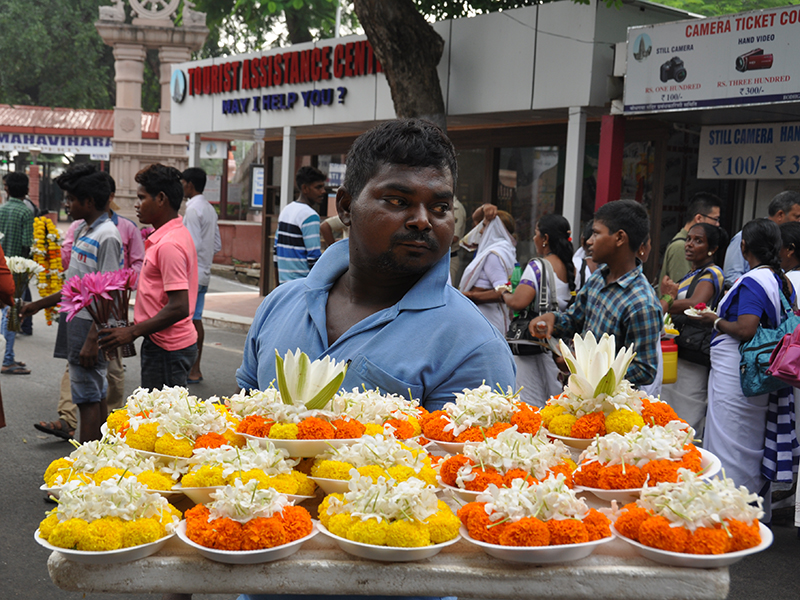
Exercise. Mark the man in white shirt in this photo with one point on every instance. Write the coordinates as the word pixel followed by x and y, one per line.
pixel 201 221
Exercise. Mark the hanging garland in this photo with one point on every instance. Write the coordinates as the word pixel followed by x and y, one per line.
pixel 46 251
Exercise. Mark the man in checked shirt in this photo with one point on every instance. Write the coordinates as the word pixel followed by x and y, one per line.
pixel 617 299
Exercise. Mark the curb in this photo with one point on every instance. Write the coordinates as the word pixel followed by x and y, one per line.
pixel 227 321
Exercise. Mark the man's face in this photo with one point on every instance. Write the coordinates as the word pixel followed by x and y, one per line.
pixel 603 242
pixel 146 206
pixel 792 215
pixel 315 192
pixel 186 189
pixel 75 208
pixel 712 217
pixel 402 222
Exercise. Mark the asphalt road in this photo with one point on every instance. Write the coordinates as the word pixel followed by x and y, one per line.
pixel 25 454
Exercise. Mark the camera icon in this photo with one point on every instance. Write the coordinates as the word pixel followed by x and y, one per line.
pixel 673 69
pixel 753 61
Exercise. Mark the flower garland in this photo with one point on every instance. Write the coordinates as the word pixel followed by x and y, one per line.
pixel 46 251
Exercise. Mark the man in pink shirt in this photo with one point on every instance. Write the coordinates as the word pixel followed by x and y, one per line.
pixel 167 292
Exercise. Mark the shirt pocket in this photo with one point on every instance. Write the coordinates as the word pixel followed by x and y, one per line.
pixel 373 376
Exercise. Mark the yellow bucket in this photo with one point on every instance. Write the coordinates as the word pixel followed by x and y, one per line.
pixel 669 350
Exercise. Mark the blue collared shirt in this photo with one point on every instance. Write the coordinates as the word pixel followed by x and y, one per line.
pixel 432 343
pixel 735 265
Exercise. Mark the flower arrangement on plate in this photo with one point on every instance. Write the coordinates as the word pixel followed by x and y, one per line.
pixel 171 422
pixel 698 309
pixel 109 458
pixel 271 467
pixel 115 515
pixel 693 516
pixel 476 415
pixel 397 514
pixel 243 518
pixel 373 456
pixel 499 461
pixel 597 398
pixel 534 516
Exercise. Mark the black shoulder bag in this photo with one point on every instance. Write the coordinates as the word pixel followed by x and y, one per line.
pixel 519 338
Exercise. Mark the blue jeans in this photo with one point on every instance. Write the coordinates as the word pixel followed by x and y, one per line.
pixel 163 367
pixel 11 336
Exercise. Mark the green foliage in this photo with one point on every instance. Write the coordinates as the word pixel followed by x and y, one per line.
pixel 725 7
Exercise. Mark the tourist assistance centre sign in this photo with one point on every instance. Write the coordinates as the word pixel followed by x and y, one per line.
pixel 733 60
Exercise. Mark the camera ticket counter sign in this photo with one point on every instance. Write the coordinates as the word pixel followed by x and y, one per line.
pixel 756 151
pixel 733 60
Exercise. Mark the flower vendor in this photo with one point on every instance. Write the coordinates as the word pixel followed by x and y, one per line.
pixel 167 292
pixel 97 248
pixel 380 299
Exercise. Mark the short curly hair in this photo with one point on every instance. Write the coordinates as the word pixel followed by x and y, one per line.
pixel 85 182
pixel 157 178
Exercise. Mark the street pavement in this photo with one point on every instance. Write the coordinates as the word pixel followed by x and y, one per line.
pixel 25 454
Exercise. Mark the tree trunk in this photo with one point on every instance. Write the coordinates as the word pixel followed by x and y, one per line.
pixel 409 50
pixel 297 25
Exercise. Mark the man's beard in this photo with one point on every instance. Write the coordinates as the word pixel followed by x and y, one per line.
pixel 387 261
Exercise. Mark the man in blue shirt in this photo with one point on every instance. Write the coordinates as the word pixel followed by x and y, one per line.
pixel 380 299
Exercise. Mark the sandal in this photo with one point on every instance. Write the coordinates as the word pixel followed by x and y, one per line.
pixel 15 370
pixel 58 428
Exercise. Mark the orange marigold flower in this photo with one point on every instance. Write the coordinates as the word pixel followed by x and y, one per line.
pixel 631 519
pixel 587 475
pixel 657 533
pixel 567 531
pixel 220 534
pixel 210 440
pixel 692 459
pixel 744 536
pixel 494 430
pixel 659 413
pixel 264 532
pixel 708 540
pixel 199 512
pixel 296 521
pixel 402 428
pixel 348 429
pixel 465 511
pixel 450 467
pixel 527 419
pixel 433 425
pixel 483 479
pixel 597 524
pixel 528 531
pixel 255 425
pixel 620 477
pixel 517 474
pixel 473 434
pixel 564 469
pixel 661 471
pixel 312 428
pixel 588 426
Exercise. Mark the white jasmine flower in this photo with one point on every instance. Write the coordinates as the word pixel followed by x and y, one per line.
pixel 549 499
pixel 242 502
pixel 386 499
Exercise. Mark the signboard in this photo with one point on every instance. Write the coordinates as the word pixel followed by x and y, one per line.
pixel 99 148
pixel 733 60
pixel 336 174
pixel 256 186
pixel 760 151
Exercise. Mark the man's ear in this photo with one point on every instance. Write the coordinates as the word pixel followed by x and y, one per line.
pixel 161 198
pixel 343 202
pixel 621 238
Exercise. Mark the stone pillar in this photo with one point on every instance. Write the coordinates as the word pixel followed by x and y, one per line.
pixel 129 67
pixel 287 165
pixel 168 56
pixel 573 170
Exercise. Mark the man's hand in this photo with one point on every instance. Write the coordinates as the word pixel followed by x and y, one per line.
pixel 542 326
pixel 28 310
pixel 114 337
pixel 669 287
pixel 88 355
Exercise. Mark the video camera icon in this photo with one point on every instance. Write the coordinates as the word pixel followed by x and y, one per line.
pixel 753 61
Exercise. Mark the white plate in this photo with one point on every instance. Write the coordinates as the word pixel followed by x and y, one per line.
pixel 450 447
pixel 301 448
pixel 332 486
pixel 164 458
pixel 577 443
pixel 698 561
pixel 538 555
pixel 710 464
pixel 467 495
pixel 245 557
pixel 202 495
pixel 386 553
pixel 693 312
pixel 108 557
pixel 56 491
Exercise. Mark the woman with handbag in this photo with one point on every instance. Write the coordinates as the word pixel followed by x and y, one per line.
pixel 546 286
pixel 736 424
pixel 704 284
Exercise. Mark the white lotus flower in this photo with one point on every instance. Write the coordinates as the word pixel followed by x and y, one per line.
pixel 597 368
pixel 302 382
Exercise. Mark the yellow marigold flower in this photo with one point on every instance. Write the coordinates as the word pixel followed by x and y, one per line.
pixel 322 511
pixel 331 469
pixel 428 475
pixel 571 464
pixel 102 535
pixel 373 471
pixel 141 531
pixel 283 431
pixel 373 429
pixel 108 473
pixel 57 465
pixel 46 527
pixel 305 487
pixel 284 483
pixel 155 481
pixel 371 531
pixel 341 523
pixel 168 444
pixel 622 420
pixel 562 424
pixel 143 438
pixel 205 476
pixel 443 525
pixel 415 424
pixel 66 534
pixel 408 534
pixel 263 479
pixel 117 419
pixel 401 472
pixel 233 438
pixel 548 412
pixel 221 408
pixel 166 517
